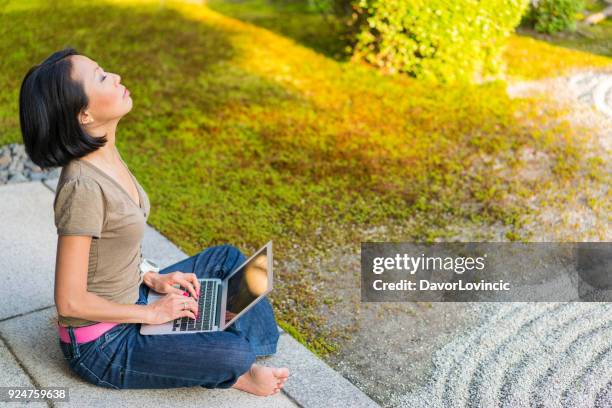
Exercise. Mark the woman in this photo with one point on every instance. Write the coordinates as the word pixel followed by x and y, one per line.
pixel 69 110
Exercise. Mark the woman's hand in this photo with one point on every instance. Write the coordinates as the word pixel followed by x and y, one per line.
pixel 163 283
pixel 171 307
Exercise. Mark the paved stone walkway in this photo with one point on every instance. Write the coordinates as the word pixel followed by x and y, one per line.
pixel 30 354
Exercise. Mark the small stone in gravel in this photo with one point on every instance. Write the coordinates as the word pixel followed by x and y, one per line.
pixel 38 176
pixel 16 166
pixel 17 178
pixel 5 160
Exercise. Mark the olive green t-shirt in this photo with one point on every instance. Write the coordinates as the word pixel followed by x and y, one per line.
pixel 88 201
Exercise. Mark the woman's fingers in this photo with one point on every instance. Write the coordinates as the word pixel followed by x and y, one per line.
pixel 191 304
pixel 176 291
pixel 188 313
pixel 184 282
pixel 193 278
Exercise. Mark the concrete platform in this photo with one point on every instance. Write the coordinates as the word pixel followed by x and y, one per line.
pixel 30 354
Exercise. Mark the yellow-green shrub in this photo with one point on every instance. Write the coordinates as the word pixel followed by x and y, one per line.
pixel 436 39
pixel 551 16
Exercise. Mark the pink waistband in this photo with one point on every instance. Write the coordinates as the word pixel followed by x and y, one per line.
pixel 85 334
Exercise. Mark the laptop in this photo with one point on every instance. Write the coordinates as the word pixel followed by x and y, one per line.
pixel 222 302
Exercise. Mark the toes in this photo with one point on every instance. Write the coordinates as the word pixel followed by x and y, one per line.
pixel 282 372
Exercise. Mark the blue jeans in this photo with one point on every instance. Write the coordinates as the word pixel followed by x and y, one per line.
pixel 124 358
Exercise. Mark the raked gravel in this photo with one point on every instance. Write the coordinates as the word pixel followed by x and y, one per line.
pixel 16 166
pixel 525 355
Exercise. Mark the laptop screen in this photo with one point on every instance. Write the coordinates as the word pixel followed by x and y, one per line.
pixel 246 285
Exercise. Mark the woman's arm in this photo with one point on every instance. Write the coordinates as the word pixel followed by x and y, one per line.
pixel 71 296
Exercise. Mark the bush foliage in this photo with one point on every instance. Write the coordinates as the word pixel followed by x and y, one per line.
pixel 435 39
pixel 551 16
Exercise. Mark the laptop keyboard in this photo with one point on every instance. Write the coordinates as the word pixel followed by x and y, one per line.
pixel 207 303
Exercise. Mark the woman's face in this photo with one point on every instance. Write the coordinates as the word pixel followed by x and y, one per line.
pixel 108 98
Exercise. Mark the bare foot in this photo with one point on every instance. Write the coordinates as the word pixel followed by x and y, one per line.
pixel 261 380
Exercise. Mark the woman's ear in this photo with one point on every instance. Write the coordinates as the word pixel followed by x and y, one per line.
pixel 85 118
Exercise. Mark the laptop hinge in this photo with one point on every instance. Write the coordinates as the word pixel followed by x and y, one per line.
pixel 218 311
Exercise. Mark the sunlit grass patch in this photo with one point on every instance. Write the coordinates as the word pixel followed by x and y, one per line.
pixel 529 58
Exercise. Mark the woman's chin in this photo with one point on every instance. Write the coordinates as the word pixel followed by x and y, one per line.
pixel 126 111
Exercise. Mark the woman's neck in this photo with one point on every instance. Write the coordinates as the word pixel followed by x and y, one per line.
pixel 107 155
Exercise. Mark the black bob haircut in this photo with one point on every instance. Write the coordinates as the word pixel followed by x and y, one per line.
pixel 49 104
